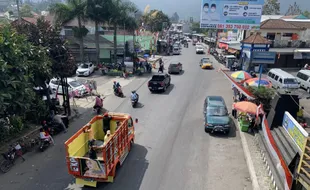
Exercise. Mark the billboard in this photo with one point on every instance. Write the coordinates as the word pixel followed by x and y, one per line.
pixel 263 57
pixel 231 14
pixel 296 132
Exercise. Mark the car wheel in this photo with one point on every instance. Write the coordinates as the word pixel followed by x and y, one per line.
pixel 206 130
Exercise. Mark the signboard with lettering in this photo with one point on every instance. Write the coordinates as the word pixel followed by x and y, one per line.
pixel 298 134
pixel 263 57
pixel 231 14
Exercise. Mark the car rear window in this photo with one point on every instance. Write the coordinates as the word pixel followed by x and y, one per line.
pixel 217 111
pixel 158 77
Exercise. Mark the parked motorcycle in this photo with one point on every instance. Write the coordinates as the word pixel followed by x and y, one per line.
pixel 9 158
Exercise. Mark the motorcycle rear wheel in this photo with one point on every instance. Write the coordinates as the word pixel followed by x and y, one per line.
pixel 6 166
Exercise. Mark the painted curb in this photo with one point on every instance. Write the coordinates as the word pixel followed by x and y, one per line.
pixel 248 158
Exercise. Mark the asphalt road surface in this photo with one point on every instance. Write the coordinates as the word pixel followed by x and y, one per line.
pixel 171 151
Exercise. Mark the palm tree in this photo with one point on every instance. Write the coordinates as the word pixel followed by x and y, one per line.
pixel 74 9
pixel 96 11
pixel 119 11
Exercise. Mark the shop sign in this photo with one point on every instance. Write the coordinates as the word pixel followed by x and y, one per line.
pixel 295 130
pixel 231 14
pixel 263 57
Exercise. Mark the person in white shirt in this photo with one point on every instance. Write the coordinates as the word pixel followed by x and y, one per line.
pixel 205 12
pixel 213 14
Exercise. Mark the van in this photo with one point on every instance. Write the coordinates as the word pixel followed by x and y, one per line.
pixel 176 50
pixel 282 80
pixel 229 60
pixel 303 77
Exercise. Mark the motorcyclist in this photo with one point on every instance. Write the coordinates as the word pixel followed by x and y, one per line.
pixel 98 102
pixel 134 95
pixel 116 86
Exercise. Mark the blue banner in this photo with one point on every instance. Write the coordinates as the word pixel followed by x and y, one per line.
pixel 231 14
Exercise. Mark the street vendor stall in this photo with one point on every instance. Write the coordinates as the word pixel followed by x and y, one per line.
pixel 245 109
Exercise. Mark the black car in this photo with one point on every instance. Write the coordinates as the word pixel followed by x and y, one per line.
pixel 159 82
pixel 216 115
pixel 175 68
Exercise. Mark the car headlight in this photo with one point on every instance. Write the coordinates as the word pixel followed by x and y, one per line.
pixel 208 125
pixel 227 125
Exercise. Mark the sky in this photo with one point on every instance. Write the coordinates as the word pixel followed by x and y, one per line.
pixel 189 8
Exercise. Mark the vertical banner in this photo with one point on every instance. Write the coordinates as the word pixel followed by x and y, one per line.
pixel 231 14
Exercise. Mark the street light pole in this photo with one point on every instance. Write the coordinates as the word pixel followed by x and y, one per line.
pixel 124 43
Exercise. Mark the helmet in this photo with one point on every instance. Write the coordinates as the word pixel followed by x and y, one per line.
pixel 133 91
pixel 98 95
pixel 114 82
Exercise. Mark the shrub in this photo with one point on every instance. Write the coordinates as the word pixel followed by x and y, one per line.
pixel 262 96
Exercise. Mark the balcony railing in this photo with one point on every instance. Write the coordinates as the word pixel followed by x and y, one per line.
pixel 289 44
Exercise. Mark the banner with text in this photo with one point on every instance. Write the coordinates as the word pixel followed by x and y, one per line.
pixel 231 14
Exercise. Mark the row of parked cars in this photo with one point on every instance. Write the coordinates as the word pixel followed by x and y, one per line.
pixel 283 80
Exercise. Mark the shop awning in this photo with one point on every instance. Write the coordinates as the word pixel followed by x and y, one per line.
pixel 223 45
pixel 240 87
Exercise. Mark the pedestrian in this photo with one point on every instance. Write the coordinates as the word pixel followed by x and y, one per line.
pixel 106 123
pixel 234 111
pixel 235 91
pixel 58 119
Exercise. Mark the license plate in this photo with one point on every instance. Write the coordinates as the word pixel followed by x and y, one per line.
pixel 218 128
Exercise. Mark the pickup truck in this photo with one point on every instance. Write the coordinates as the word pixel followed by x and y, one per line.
pixel 159 82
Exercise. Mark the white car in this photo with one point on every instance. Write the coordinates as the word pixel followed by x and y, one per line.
pixel 199 49
pixel 85 69
pixel 73 86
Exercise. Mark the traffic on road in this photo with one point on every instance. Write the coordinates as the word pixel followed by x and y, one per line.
pixel 171 149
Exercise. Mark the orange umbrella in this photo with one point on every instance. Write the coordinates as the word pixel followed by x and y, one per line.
pixel 245 106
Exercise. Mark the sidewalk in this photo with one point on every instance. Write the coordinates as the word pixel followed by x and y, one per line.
pixel 256 161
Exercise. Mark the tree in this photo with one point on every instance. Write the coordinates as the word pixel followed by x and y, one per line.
pixel 262 96
pixel 293 10
pixel 26 11
pixel 74 9
pixel 22 65
pixel 175 17
pixel 271 7
pixel 96 11
pixel 155 20
pixel 43 34
pixel 306 14
pixel 119 11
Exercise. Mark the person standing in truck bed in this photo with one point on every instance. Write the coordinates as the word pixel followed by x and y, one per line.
pixel 106 123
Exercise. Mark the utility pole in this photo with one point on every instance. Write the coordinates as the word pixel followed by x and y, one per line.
pixel 18 12
pixel 124 43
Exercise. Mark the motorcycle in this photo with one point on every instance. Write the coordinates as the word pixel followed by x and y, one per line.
pixel 118 92
pixel 9 158
pixel 44 143
pixel 135 101
pixel 55 128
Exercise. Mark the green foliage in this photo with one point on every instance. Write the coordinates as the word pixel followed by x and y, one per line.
pixel 23 66
pixel 196 27
pixel 271 7
pixel 45 35
pixel 262 96
pixel 306 14
pixel 80 32
pixel 26 11
pixel 155 20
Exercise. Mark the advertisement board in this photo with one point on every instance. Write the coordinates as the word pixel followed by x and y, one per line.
pixel 263 57
pixel 231 14
pixel 296 132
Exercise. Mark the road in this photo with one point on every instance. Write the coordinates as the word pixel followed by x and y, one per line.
pixel 171 151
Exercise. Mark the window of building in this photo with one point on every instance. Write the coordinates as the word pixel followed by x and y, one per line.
pixel 287 34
